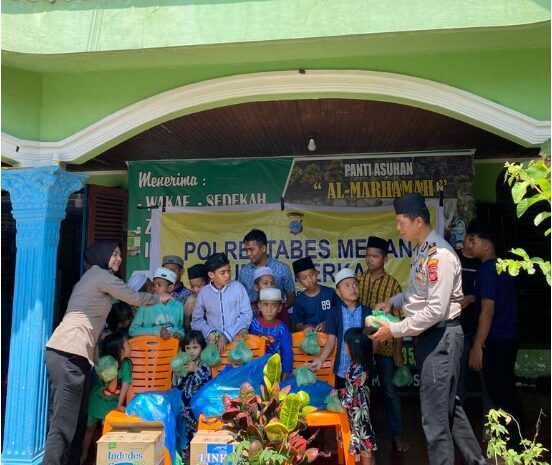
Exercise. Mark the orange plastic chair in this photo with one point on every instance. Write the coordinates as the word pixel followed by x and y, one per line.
pixel 151 371
pixel 339 421
pixel 300 358
pixel 151 364
pixel 257 344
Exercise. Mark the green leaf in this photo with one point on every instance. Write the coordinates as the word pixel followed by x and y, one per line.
pixel 304 398
pixel 276 432
pixel 520 253
pixel 541 217
pixel 272 371
pixel 524 204
pixel 518 191
pixel 289 415
pixel 307 409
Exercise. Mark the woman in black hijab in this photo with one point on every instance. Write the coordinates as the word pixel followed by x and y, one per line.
pixel 70 350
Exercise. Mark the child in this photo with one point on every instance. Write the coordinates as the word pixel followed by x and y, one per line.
pixel 355 396
pixel 222 308
pixel 106 397
pixel 349 313
pixel 495 344
pixel 197 276
pixel 264 279
pixel 198 374
pixel 139 282
pixel 312 304
pixel 267 324
pixel 164 320
pixel 176 265
pixel 376 285
pixel 119 318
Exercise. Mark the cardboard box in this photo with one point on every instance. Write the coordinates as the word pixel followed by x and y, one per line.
pixel 134 443
pixel 211 447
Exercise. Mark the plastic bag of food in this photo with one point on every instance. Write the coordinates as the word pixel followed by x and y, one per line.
pixel 370 320
pixel 310 344
pixel 210 355
pixel 304 376
pixel 402 377
pixel 241 353
pixel 107 368
pixel 179 362
pixel 333 404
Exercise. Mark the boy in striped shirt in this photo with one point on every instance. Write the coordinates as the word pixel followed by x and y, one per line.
pixel 376 285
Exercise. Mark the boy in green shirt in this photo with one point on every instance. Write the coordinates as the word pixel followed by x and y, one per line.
pixel 164 320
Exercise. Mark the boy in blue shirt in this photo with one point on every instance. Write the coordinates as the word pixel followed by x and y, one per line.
pixel 495 344
pixel 267 324
pixel 348 313
pixel 164 320
pixel 312 304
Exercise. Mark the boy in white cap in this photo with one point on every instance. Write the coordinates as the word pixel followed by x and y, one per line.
pixel 349 313
pixel 268 324
pixel 164 320
pixel 139 282
pixel 264 279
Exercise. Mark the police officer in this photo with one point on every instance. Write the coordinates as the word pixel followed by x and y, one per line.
pixel 432 308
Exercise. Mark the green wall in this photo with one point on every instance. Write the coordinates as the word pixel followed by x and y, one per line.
pixel 484 183
pixel 21 103
pixel 106 25
pixel 72 101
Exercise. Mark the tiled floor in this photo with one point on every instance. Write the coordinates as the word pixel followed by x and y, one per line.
pixel 533 400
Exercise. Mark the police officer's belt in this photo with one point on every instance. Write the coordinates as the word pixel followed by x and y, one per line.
pixel 445 323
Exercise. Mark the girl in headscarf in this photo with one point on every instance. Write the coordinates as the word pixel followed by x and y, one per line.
pixel 70 351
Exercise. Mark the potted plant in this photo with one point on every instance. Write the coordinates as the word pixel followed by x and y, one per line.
pixel 268 427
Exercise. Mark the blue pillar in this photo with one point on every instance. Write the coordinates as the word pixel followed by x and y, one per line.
pixel 39 199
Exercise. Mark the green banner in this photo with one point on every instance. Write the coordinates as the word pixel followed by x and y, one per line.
pixel 209 183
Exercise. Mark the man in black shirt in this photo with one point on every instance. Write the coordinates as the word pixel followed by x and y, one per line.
pixel 469 316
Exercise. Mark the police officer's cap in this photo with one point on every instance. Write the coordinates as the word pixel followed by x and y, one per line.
pixel 216 261
pixel 173 260
pixel 378 243
pixel 409 203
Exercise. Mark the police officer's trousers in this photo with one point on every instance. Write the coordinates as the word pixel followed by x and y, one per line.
pixel 438 351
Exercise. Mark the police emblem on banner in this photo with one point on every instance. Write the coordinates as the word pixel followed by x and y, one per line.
pixel 295 222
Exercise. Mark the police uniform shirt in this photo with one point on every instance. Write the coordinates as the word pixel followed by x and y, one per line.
pixel 434 288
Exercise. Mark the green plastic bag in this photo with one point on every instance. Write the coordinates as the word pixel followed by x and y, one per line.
pixel 310 344
pixel 304 376
pixel 179 362
pixel 402 377
pixel 380 315
pixel 333 404
pixel 241 353
pixel 107 368
pixel 210 355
